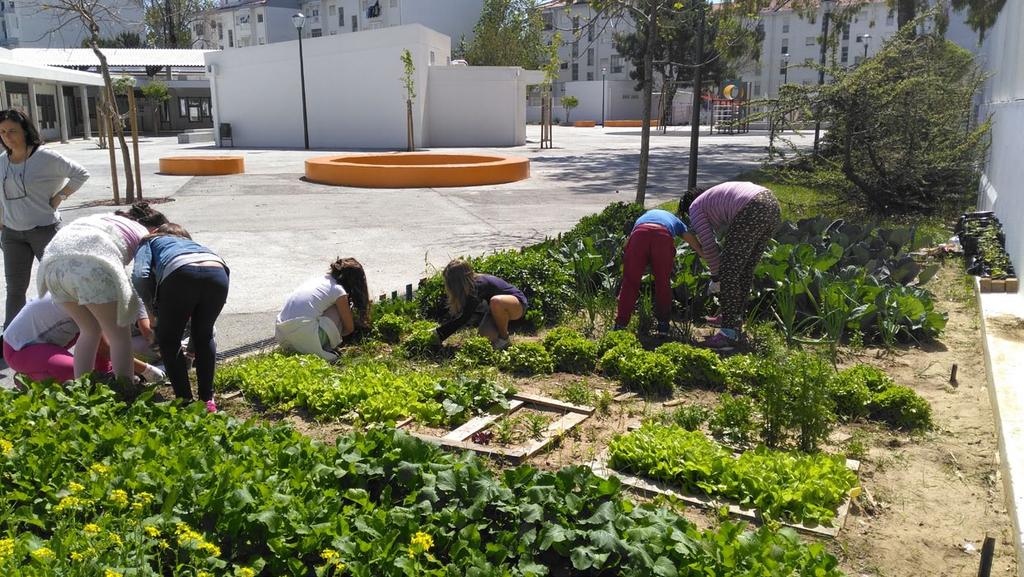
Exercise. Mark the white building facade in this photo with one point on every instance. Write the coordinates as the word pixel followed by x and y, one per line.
pixel 30 24
pixel 242 23
pixel 792 46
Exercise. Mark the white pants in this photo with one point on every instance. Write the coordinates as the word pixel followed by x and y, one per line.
pixel 302 335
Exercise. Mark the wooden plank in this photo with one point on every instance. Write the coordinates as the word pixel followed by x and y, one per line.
pixel 650 488
pixel 470 427
pixel 552 403
pixel 513 453
pixel 554 430
pixel 622 397
pixel 404 422
pixel 231 395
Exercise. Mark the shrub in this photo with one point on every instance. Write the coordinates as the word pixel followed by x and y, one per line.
pixel 477 352
pixel 742 373
pixel 616 219
pixel 612 360
pixel 613 339
pixel 850 395
pixel 690 417
pixel 733 420
pixel 694 367
pixel 901 408
pixel 811 410
pixel 389 327
pixel 420 342
pixel 398 306
pixel 574 355
pixel 577 393
pixel 526 359
pixel 650 373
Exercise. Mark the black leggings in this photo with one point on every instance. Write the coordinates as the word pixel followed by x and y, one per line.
pixel 195 293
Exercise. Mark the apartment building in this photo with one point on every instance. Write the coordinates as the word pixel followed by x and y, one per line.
pixel 587 51
pixel 792 45
pixel 240 23
pixel 30 24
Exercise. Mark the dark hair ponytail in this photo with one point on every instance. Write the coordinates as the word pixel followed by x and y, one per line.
pixel 141 213
pixel 350 274
pixel 687 199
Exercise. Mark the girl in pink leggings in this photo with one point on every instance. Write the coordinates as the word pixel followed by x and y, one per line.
pixel 38 341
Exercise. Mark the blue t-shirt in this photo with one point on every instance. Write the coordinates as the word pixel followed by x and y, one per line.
pixel 664 218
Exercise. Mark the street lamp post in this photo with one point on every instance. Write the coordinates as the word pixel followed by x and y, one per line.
pixel 604 77
pixel 866 39
pixel 825 5
pixel 299 19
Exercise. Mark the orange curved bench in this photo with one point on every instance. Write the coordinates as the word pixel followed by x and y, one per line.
pixel 627 123
pixel 416 170
pixel 585 123
pixel 202 165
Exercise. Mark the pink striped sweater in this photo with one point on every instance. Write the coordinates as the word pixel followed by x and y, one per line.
pixel 713 211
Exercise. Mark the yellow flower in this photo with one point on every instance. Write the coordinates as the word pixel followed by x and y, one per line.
pixel 111 573
pixel 119 497
pixel 245 572
pixel 163 544
pixel 75 487
pixel 115 539
pixel 6 550
pixel 329 555
pixel 99 468
pixel 91 529
pixel 204 574
pixel 77 557
pixel 6 447
pixel 209 548
pixel 142 500
pixel 69 502
pixel 151 531
pixel 421 543
pixel 43 554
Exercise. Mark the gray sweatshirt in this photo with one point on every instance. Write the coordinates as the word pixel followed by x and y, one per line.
pixel 28 187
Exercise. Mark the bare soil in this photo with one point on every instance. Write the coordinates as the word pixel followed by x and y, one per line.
pixel 928 500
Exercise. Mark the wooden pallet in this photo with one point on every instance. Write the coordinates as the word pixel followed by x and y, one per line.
pixel 650 488
pixel 459 438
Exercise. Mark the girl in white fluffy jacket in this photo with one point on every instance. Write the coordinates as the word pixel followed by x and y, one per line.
pixel 83 268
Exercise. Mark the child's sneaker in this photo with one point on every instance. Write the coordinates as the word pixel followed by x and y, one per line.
pixel 211 407
pixel 720 342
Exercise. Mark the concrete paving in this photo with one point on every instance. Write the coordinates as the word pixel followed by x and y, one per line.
pixel 274 229
pixel 1002 329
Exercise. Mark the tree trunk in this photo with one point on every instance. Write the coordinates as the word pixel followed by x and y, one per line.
pixel 172 31
pixel 115 117
pixel 135 141
pixel 408 121
pixel 645 131
pixel 103 115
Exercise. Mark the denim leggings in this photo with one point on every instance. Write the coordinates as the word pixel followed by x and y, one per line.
pixel 20 247
pixel 195 293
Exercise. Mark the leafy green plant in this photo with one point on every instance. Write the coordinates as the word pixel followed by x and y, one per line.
pixel 604 403
pixel 695 367
pixel 811 406
pixel 574 355
pixel 850 393
pixel 734 420
pixel 647 372
pixel 785 486
pixel 506 431
pixel 389 327
pixel 477 352
pixel 612 360
pixel 742 374
pixel 876 380
pixel 690 417
pixel 527 358
pixel 901 407
pixel 536 425
pixel 558 333
pixel 577 393
pixel 613 339
pixel 420 343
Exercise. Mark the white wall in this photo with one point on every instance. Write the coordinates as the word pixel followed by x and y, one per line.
pixel 478 105
pixel 42 27
pixel 354 92
pixel 453 18
pixel 1003 100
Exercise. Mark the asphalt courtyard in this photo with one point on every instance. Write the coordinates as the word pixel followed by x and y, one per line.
pixel 275 229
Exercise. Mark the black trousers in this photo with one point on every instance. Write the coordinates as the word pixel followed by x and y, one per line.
pixel 196 294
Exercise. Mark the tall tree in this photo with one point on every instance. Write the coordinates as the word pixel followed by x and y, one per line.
pixel 509 33
pixel 171 22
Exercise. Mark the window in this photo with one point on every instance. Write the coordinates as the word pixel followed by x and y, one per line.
pixel 332 9
pixel 316 13
pixel 785 26
pixel 890 19
pixel 432 57
pixel 47 110
pixel 590 75
pixel 590 56
pixel 616 64
pixel 575 71
pixel 317 33
pixel 195 108
pixel 564 66
pixel 590 33
pixel 757 89
pixel 575 50
pixel 394 3
pixel 220 32
pixel 549 21
pixel 785 48
pixel 846 32
pixel 810 41
pixel 259 18
pixel 199 29
pixel 846 54
pixel 341 16
pixel 575 26
pixel 231 38
pixel 860 38
pixel 782 69
pixel 355 23
pixel 243 18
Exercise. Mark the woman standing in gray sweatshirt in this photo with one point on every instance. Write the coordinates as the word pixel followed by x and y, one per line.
pixel 35 182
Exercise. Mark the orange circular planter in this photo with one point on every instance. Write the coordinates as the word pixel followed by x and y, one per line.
pixel 585 123
pixel 416 170
pixel 202 165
